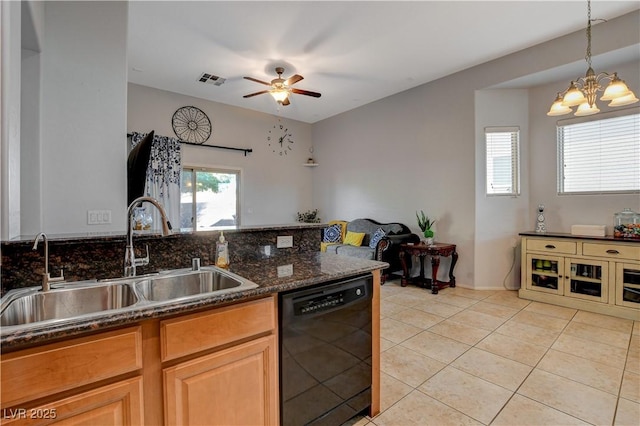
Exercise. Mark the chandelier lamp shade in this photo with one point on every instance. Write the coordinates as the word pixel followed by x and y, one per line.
pixel 582 92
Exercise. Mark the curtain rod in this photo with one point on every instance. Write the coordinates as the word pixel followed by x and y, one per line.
pixel 245 150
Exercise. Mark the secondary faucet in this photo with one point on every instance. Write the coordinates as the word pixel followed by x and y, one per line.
pixel 46 278
pixel 130 261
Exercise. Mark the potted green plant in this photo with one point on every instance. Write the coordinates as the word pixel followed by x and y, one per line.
pixel 425 225
pixel 310 216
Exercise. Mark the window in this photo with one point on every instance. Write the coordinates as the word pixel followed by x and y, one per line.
pixel 208 198
pixel 502 147
pixel 600 155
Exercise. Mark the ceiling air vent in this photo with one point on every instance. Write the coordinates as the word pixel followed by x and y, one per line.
pixel 211 79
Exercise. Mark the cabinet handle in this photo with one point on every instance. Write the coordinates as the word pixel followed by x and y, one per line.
pixel 550 246
pixel 611 251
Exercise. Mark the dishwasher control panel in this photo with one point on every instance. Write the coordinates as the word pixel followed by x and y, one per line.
pixel 323 301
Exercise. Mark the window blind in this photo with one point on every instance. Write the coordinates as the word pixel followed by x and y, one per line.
pixel 600 155
pixel 502 146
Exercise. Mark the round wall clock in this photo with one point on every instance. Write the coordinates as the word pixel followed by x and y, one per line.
pixel 280 139
pixel 191 124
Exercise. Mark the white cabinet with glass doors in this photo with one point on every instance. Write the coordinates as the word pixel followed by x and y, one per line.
pixel 594 274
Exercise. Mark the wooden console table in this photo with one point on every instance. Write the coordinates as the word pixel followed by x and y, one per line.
pixel 435 251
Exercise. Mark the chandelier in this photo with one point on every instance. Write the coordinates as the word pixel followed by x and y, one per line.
pixel 582 92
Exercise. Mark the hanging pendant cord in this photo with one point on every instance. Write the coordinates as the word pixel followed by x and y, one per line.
pixel 588 57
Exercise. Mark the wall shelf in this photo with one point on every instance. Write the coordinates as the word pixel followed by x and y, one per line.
pixel 310 164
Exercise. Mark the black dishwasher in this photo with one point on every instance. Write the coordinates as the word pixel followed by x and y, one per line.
pixel 325 352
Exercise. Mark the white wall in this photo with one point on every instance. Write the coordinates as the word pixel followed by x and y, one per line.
pixel 84 89
pixel 499 219
pixel 562 211
pixel 409 152
pixel 273 187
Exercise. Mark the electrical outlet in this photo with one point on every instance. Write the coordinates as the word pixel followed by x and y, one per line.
pixel 285 271
pixel 285 241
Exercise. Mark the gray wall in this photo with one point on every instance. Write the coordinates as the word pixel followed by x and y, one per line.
pixel 84 98
pixel 417 150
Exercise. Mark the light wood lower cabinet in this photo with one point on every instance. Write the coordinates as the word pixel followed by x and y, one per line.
pixel 234 386
pixel 216 367
pixel 601 276
pixel 63 383
pixel 116 404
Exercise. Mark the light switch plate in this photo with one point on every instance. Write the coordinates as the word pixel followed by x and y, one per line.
pixel 98 217
pixel 284 241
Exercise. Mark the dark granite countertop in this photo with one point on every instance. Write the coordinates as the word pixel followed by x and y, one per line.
pixel 609 238
pixel 307 269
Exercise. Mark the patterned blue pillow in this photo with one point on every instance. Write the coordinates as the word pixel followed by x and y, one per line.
pixel 376 237
pixel 332 234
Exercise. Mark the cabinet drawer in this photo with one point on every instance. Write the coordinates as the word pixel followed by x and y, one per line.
pixel 552 246
pixel 42 371
pixel 198 332
pixel 612 251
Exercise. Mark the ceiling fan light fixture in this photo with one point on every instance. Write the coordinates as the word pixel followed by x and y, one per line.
pixel 280 88
pixel 279 94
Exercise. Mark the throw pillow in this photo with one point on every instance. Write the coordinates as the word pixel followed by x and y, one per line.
pixel 376 237
pixel 354 238
pixel 332 234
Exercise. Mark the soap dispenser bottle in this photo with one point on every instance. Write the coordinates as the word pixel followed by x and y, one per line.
pixel 222 252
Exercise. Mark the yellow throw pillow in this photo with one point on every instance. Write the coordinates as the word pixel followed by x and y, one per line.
pixel 354 238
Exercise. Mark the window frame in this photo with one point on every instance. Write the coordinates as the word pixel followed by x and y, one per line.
pixel 220 170
pixel 514 160
pixel 560 152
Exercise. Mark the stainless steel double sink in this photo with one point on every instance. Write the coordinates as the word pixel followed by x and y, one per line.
pixel 83 299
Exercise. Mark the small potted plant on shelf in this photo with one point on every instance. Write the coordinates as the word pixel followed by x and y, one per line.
pixel 425 225
pixel 310 216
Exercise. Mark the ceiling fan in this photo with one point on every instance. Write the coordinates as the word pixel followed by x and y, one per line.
pixel 281 88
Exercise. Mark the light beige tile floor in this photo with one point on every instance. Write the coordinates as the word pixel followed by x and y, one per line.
pixel 489 358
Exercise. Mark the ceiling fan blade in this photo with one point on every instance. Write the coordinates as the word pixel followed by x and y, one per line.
pixel 293 79
pixel 306 92
pixel 257 93
pixel 286 102
pixel 258 81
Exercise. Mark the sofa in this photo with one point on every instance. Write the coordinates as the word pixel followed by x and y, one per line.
pixel 381 241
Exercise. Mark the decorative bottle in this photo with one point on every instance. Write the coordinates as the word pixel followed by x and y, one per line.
pixel 222 252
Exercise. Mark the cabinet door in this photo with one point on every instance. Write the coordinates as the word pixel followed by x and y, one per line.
pixel 628 284
pixel 116 404
pixel 235 386
pixel 587 279
pixel 544 273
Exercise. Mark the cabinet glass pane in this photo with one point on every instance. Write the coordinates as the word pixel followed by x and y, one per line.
pixel 631 276
pixel 544 273
pixel 631 285
pixel 586 279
